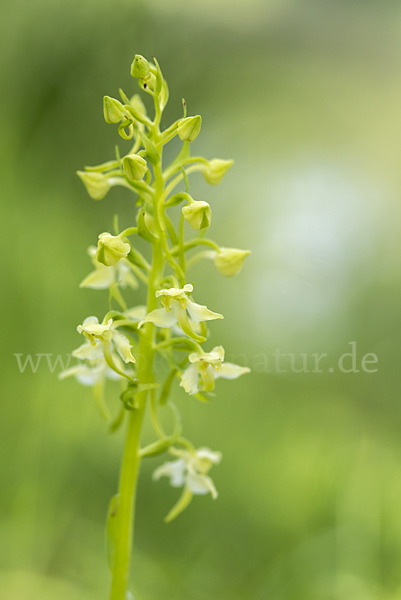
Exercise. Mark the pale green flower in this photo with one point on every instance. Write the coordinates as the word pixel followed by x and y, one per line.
pixel 189 128
pixel 205 368
pixel 175 306
pixel 215 170
pixel 113 110
pixel 106 333
pixel 104 277
pixel 140 68
pixel 111 249
pixel 229 261
pixel 95 370
pixel 134 167
pixel 98 184
pixel 198 214
pixel 190 470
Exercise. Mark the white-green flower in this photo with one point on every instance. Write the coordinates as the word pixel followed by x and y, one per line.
pixel 90 376
pixel 215 169
pixel 229 260
pixel 113 110
pixel 176 303
pixel 107 334
pixel 198 214
pixel 93 371
pixel 188 129
pixel 205 368
pixel 134 167
pixel 111 249
pixel 98 184
pixel 104 277
pixel 190 471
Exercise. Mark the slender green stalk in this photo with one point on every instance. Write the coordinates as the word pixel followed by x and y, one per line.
pixel 168 308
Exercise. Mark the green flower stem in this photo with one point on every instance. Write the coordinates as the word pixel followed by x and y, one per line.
pixel 192 261
pixel 107 166
pixel 170 171
pixel 179 341
pixel 129 231
pixel 181 243
pixel 131 458
pixel 195 242
pixel 178 180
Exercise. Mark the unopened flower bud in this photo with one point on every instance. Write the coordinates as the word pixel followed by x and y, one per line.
pixel 113 110
pixel 229 260
pixel 110 249
pixel 215 170
pixel 97 184
pixel 198 214
pixel 135 167
pixel 140 67
pixel 189 128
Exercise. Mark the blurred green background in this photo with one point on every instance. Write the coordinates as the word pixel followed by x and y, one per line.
pixel 306 97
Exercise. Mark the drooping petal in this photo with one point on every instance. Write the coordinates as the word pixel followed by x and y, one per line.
pixel 201 484
pixel 137 313
pixel 123 346
pixel 83 373
pixel 175 470
pixel 189 379
pixel 88 352
pixel 90 377
pixel 100 279
pixel 201 313
pixel 160 317
pixel 231 371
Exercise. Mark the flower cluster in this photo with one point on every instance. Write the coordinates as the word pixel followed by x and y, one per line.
pixel 124 344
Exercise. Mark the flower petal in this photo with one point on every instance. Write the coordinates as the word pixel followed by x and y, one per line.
pixel 214 457
pixel 189 380
pixel 201 313
pixel 123 346
pixel 231 371
pixel 201 484
pixel 175 470
pixel 160 317
pixel 100 279
pixel 88 352
pixel 83 374
pixel 137 313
